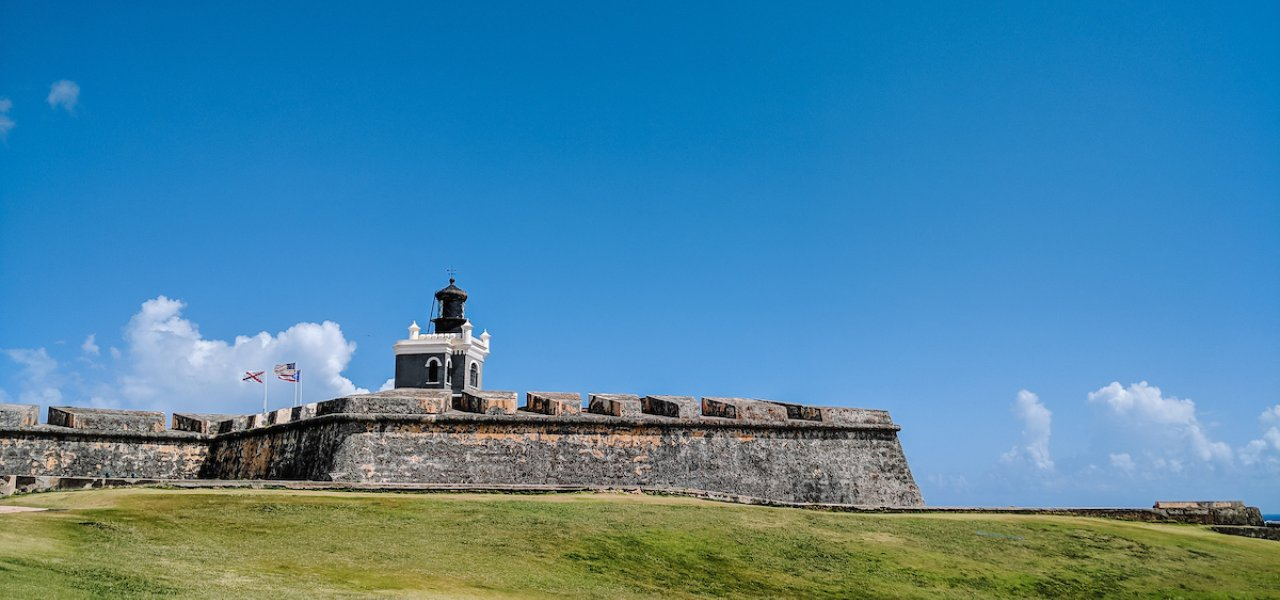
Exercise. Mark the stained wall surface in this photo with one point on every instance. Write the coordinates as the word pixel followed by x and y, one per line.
pixel 759 450
pixel 821 464
pixel 52 451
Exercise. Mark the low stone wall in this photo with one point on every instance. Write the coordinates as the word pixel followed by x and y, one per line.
pixel 1262 533
pixel 1211 512
pixel 55 451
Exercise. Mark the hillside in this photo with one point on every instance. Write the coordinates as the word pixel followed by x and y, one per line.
pixel 267 544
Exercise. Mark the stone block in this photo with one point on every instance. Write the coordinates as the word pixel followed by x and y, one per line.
pixel 402 401
pixel 800 412
pixel 855 416
pixel 618 405
pixel 1211 512
pixel 553 403
pixel 834 415
pixel 487 402
pixel 8 485
pixel 106 419
pixel 744 409
pixel 306 411
pixel 198 422
pixel 237 423
pixel 256 421
pixel 19 415
pixel 279 416
pixel 681 407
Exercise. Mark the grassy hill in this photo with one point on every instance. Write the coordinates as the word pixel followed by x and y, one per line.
pixel 269 544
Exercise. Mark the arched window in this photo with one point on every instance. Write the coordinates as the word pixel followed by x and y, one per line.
pixel 433 370
pixel 475 375
pixel 448 372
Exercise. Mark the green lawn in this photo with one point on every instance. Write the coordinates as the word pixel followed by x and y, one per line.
pixel 280 544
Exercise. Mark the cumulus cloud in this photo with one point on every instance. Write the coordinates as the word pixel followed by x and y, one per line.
pixel 64 94
pixel 6 123
pixel 1164 428
pixel 172 364
pixel 90 346
pixel 38 382
pixel 1036 427
pixel 167 364
pixel 1267 449
pixel 1122 461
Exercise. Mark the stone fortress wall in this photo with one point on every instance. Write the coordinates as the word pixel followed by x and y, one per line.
pixel 755 450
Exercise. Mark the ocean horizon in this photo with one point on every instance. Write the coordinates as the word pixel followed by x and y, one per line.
pixel 1272 517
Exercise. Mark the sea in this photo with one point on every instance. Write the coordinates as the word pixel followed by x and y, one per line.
pixel 1275 518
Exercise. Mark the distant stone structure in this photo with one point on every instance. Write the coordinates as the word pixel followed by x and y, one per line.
pixel 439 427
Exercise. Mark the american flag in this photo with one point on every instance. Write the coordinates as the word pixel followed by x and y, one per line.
pixel 287 372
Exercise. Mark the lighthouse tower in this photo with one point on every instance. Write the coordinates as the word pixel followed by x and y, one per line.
pixel 448 358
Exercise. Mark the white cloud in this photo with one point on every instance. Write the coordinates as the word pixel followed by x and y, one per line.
pixel 166 364
pixel 172 365
pixel 389 384
pixel 1036 428
pixel 37 379
pixel 6 123
pixel 89 346
pixel 64 93
pixel 1267 449
pixel 1122 461
pixel 1165 428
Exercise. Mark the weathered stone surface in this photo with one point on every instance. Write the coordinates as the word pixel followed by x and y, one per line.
pixel 63 452
pixel 753 453
pixel 305 411
pixel 618 405
pixel 744 408
pixel 198 422
pixel 402 401
pixel 19 415
pixel 487 402
pixel 553 403
pixel 279 416
pixel 855 416
pixel 105 419
pixel 1211 512
pixel 1262 533
pixel 681 407
pixel 737 459
pixel 236 423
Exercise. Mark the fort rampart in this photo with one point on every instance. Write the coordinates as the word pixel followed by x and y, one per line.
pixel 727 446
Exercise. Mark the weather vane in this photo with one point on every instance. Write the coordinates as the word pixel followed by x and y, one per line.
pixel 451 271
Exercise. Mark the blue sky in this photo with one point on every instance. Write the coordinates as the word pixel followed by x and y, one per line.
pixel 977 216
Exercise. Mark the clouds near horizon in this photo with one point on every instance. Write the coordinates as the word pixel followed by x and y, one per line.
pixel 167 364
pixel 1037 425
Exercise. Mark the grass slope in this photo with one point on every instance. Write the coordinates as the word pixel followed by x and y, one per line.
pixel 266 544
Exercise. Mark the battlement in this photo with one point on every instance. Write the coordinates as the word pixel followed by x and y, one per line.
pixel 737 447
pixel 566 406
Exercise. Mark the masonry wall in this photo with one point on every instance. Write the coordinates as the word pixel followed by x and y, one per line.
pixel 61 452
pixel 861 465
